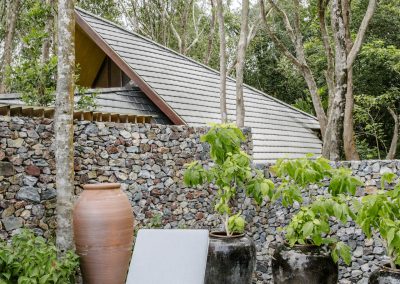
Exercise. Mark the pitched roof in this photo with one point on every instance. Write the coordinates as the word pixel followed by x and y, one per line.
pixel 125 100
pixel 188 92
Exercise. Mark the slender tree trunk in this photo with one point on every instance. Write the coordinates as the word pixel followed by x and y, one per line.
pixel 395 138
pixel 299 61
pixel 12 15
pixel 241 55
pixel 332 137
pixel 63 125
pixel 211 35
pixel 349 143
pixel 222 61
pixel 48 29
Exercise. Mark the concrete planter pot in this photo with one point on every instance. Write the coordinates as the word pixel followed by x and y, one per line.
pixel 385 275
pixel 231 260
pixel 103 231
pixel 303 264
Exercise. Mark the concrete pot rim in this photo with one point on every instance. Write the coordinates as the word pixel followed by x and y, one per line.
pixel 222 235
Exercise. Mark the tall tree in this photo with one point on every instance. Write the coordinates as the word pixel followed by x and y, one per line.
pixel 211 35
pixel 222 62
pixel 340 58
pixel 352 49
pixel 49 26
pixel 241 54
pixel 63 125
pixel 12 15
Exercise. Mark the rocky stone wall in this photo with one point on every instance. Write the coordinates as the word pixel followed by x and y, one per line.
pixel 148 161
pixel 367 254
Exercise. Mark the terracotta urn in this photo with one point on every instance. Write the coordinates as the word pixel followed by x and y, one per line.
pixel 103 231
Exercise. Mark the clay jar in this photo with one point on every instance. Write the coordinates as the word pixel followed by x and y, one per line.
pixel 231 260
pixel 103 231
pixel 303 264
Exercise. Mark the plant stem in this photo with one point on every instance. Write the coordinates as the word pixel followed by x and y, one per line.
pixel 391 261
pixel 228 233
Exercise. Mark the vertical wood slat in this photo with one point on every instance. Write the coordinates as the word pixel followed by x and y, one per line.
pixel 47 112
pixel 5 110
pixel 115 117
pixel 132 118
pixel 15 110
pixel 38 112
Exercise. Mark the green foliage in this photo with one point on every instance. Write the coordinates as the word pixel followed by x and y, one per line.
pixel 156 221
pixel 231 172
pixel 342 182
pixel 379 214
pixel 107 9
pixel 297 175
pixel 34 80
pixel 236 223
pixel 312 224
pixel 31 259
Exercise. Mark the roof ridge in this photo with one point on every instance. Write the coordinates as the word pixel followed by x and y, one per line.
pixel 194 61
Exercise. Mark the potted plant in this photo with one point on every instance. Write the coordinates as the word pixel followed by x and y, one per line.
pixel 231 257
pixel 379 215
pixel 310 254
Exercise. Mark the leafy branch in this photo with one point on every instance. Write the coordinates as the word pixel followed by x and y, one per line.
pixel 231 172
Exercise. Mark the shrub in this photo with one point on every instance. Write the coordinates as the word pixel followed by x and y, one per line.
pixel 231 172
pixel 379 215
pixel 312 224
pixel 32 259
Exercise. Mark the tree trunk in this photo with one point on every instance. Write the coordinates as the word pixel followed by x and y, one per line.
pixel 241 55
pixel 349 141
pixel 222 61
pixel 211 35
pixel 63 125
pixel 316 100
pixel 12 15
pixel 393 145
pixel 332 137
pixel 299 61
pixel 48 29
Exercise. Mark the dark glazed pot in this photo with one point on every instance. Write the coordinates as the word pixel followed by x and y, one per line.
pixel 385 275
pixel 303 264
pixel 103 231
pixel 231 260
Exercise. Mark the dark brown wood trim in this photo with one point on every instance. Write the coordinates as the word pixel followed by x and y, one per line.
pixel 150 93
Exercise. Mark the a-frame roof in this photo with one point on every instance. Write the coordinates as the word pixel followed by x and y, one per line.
pixel 188 92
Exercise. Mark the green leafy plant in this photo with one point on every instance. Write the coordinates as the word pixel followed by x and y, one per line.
pixel 299 175
pixel 379 215
pixel 312 224
pixel 32 259
pixel 231 172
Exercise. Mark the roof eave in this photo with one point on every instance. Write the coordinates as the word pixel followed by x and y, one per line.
pixel 149 92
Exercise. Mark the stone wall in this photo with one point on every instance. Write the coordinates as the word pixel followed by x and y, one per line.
pixel 367 254
pixel 148 161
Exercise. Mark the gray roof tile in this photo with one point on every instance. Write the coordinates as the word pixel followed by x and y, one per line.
pixel 191 89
